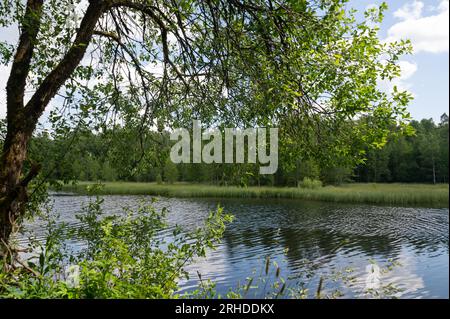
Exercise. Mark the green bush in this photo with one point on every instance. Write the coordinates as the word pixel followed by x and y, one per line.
pixel 159 179
pixel 122 257
pixel 170 172
pixel 310 183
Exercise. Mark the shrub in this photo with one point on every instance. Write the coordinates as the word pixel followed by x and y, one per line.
pixel 310 183
pixel 123 257
pixel 170 172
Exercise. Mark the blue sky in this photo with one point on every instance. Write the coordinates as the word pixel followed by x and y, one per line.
pixel 425 73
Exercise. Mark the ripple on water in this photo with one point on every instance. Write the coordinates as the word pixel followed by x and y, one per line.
pixel 305 238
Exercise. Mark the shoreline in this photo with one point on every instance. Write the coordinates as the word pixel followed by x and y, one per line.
pixel 422 195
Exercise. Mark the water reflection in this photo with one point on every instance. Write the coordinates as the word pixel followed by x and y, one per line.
pixel 308 238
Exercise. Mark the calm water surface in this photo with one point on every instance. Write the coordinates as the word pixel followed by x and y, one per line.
pixel 309 240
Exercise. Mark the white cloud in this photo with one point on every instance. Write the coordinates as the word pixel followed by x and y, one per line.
pixel 410 11
pixel 408 69
pixel 427 33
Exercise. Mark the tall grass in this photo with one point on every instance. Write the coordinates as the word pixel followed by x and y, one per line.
pixel 385 194
pixel 310 183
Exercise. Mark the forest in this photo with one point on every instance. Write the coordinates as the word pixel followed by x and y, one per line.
pixel 421 157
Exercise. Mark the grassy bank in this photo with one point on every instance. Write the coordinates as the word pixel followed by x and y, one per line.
pixel 386 194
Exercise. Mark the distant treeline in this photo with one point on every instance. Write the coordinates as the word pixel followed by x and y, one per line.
pixel 120 154
pixel 422 158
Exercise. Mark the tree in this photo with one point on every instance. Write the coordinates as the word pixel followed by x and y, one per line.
pixel 403 165
pixel 159 63
pixel 428 147
pixel 377 165
pixel 170 172
pixel 443 147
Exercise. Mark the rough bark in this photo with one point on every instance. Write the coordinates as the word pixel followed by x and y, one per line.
pixel 22 119
pixel 12 195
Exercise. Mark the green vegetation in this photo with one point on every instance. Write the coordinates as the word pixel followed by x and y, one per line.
pixel 123 257
pixel 122 71
pixel 420 158
pixel 310 183
pixel 304 67
pixel 386 194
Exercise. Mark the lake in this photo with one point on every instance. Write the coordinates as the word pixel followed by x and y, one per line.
pixel 309 240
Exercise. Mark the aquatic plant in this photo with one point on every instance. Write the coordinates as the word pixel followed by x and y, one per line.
pixel 384 194
pixel 122 257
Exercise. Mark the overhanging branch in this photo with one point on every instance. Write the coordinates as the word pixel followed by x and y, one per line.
pixel 56 78
pixel 20 68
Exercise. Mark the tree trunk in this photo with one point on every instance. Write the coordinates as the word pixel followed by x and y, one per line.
pixel 22 119
pixel 19 128
pixel 13 186
pixel 434 170
pixel 13 194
